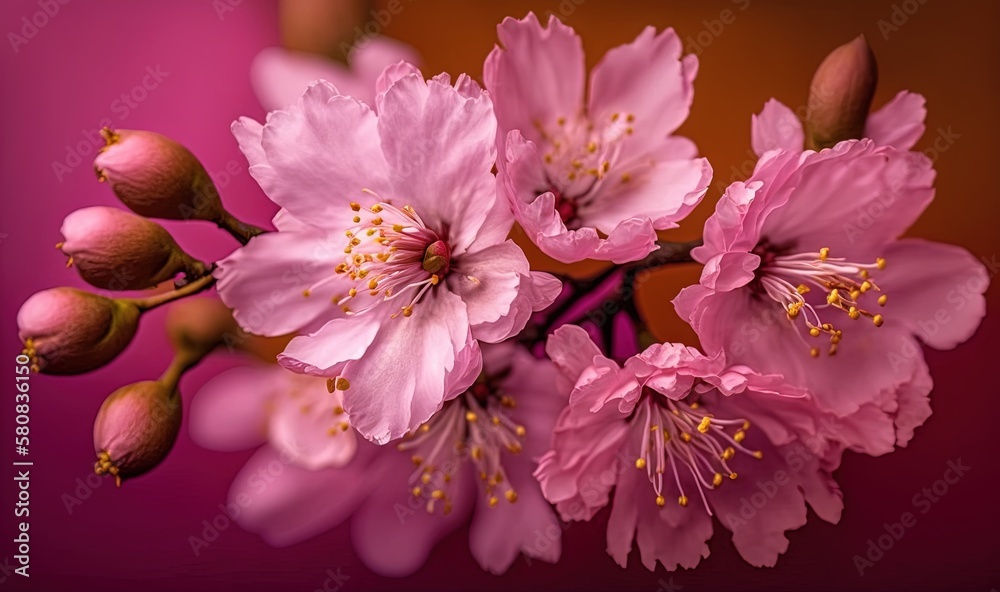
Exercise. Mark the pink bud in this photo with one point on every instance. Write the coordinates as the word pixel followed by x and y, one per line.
pixel 199 325
pixel 156 177
pixel 135 429
pixel 117 250
pixel 69 331
pixel 841 95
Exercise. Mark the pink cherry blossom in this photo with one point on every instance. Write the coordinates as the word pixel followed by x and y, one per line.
pixel 391 250
pixel 681 437
pixel 294 413
pixel 404 498
pixel 279 75
pixel 899 123
pixel 595 179
pixel 805 276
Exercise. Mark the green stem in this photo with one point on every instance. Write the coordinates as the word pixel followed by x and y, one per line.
pixel 241 231
pixel 199 285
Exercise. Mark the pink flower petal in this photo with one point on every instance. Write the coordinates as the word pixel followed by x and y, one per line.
pixel 499 534
pixel 393 533
pixel 672 535
pixel 304 427
pixel 914 405
pixel 230 411
pixel 489 281
pixel 307 147
pixel 572 351
pixel 577 475
pixel 279 76
pixel 537 76
pixel 685 180
pixel 776 127
pixel 631 240
pixel 536 292
pixel 281 282
pixel 372 55
pixel 401 378
pixel 287 504
pixel 646 79
pixel 852 198
pixel 324 352
pixel 899 123
pixel 759 532
pixel 935 290
pixel 440 145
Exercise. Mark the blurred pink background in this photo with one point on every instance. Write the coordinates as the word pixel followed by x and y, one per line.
pixel 193 57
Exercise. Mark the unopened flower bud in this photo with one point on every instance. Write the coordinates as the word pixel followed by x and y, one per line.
pixel 156 177
pixel 135 428
pixel 117 250
pixel 69 331
pixel 841 95
pixel 199 325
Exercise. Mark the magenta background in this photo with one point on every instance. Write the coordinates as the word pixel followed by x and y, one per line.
pixel 65 79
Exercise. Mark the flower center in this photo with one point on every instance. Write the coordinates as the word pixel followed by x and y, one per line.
pixel 787 279
pixel 679 437
pixel 390 254
pixel 578 156
pixel 566 208
pixel 476 426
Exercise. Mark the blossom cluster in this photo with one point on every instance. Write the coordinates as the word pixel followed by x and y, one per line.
pixel 434 378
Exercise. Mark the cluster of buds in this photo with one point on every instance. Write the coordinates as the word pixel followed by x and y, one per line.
pixel 137 425
pixel 69 331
